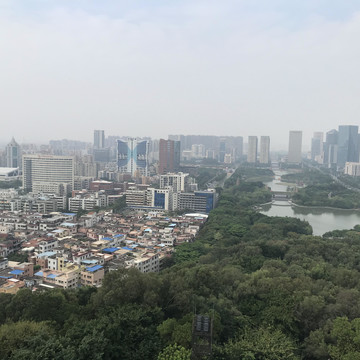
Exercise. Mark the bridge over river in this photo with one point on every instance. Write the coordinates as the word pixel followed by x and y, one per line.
pixel 281 195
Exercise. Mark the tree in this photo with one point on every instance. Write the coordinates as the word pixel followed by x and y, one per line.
pixel 175 352
pixel 260 344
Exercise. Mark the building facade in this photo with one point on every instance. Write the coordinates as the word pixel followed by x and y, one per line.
pixel 13 154
pixel 48 173
pixel 264 157
pixel 169 156
pixel 348 145
pixel 99 139
pixel 330 148
pixel 252 149
pixel 132 156
pixel 295 147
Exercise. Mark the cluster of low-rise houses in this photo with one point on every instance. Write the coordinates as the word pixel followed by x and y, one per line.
pixel 66 251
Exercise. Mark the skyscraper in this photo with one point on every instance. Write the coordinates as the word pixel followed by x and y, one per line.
pixel 252 149
pixel 169 156
pixel 13 154
pixel 222 150
pixel 132 156
pixel 348 145
pixel 48 173
pixel 330 148
pixel 295 144
pixel 264 157
pixel 99 139
pixel 317 147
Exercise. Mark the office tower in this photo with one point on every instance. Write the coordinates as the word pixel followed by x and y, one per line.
pixel 295 143
pixel 132 156
pixel 330 148
pixel 100 152
pixel 252 149
pixel 13 154
pixel 99 139
pixel 48 173
pixel 264 157
pixel 317 147
pixel 222 150
pixel 348 145
pixel 238 145
pixel 169 156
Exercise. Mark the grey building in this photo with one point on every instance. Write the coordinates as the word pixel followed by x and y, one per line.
pixel 295 145
pixel 13 154
pixel 348 145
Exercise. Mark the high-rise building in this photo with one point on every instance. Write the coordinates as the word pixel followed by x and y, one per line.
pixel 317 152
pixel 330 148
pixel 169 156
pixel 222 150
pixel 295 144
pixel 13 154
pixel 348 145
pixel 264 157
pixel 176 180
pixel 99 139
pixel 132 156
pixel 252 149
pixel 48 173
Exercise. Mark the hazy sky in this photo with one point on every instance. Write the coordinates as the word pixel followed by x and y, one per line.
pixel 153 68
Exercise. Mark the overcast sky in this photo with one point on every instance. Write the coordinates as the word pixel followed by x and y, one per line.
pixel 153 68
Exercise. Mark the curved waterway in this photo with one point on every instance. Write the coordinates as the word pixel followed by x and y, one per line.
pixel 321 219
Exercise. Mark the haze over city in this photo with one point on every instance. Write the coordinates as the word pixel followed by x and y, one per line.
pixel 192 67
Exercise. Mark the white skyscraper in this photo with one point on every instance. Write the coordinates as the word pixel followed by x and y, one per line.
pixel 252 149
pixel 264 157
pixel 295 144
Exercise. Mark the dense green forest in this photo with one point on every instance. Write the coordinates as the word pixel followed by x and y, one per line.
pixel 322 190
pixel 274 290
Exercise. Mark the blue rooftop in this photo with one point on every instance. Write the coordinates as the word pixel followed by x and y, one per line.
pixel 118 235
pixel 39 273
pixel 94 268
pixel 5 277
pixel 89 262
pixel 52 276
pixel 68 224
pixel 108 238
pixel 69 214
pixel 16 272
pixel 110 250
pixel 172 225
pixel 47 253
pixel 127 248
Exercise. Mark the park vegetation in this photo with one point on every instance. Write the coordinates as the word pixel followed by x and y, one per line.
pixel 274 291
pixel 322 190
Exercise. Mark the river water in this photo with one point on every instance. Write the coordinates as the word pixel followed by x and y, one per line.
pixel 321 219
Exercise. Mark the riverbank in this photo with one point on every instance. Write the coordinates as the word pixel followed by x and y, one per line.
pixel 322 207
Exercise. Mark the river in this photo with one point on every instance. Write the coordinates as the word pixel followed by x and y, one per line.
pixel 321 219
